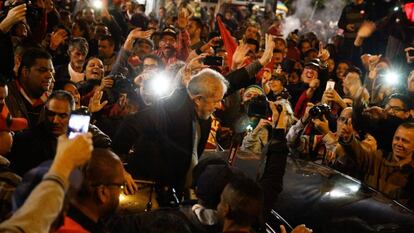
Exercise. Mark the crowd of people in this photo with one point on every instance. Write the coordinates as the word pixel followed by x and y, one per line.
pixel 164 88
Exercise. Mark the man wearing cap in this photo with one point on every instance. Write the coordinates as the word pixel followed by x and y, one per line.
pixel 173 46
pixel 309 90
pixel 130 56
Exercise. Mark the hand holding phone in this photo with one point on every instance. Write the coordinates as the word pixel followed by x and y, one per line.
pixel 213 61
pixel 330 85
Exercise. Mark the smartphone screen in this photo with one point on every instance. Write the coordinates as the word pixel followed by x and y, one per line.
pixel 330 85
pixel 78 123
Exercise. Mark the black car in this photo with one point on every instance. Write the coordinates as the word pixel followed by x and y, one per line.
pixel 328 201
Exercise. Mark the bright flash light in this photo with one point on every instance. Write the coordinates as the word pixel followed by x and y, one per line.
pixel 391 78
pixel 396 8
pixel 121 197
pixel 160 84
pixel 97 4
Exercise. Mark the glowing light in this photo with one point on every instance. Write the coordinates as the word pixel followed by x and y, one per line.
pixel 337 193
pixel 392 78
pixel 121 197
pixel 396 8
pixel 97 4
pixel 249 128
pixel 160 84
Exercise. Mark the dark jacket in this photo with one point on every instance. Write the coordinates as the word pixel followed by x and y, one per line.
pixel 20 107
pixel 382 172
pixel 161 137
pixel 34 146
pixel 62 73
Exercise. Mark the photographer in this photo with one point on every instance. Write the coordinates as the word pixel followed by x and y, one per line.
pixel 280 117
pixel 304 139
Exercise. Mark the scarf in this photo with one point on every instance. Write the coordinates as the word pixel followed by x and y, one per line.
pixel 34 102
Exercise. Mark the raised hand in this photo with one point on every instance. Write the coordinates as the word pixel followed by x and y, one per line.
pixel 15 15
pixel 305 116
pixel 95 104
pixel 72 153
pixel 182 20
pixel 321 125
pixel 239 55
pixel 268 52
pixel 107 82
pixel 408 51
pixel 57 38
pixel 323 54
pixel 135 34
pixel 366 30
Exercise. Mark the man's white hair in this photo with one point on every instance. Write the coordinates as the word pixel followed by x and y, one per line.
pixel 206 83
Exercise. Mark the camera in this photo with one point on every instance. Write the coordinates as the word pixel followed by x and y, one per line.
pixel 32 13
pixel 213 61
pixel 259 107
pixel 318 111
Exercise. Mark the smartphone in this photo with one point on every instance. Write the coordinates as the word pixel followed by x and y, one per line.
pixel 330 85
pixel 411 53
pixel 78 122
pixel 213 61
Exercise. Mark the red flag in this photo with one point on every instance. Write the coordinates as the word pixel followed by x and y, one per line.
pixel 229 43
pixel 409 11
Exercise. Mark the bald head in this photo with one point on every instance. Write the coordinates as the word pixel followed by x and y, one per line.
pixel 6 141
pixel 104 167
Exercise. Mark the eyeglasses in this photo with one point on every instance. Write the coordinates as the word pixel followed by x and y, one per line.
pixel 151 66
pixel 394 108
pixel 343 119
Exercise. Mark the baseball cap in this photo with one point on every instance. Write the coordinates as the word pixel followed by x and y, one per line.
pixel 169 31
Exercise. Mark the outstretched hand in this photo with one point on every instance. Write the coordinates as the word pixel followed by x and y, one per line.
pixel 268 52
pixel 239 55
pixel 15 15
pixel 95 104
pixel 72 153
pixel 135 34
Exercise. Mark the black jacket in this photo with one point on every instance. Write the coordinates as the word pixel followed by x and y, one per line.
pixel 161 137
pixel 62 73
pixel 34 146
